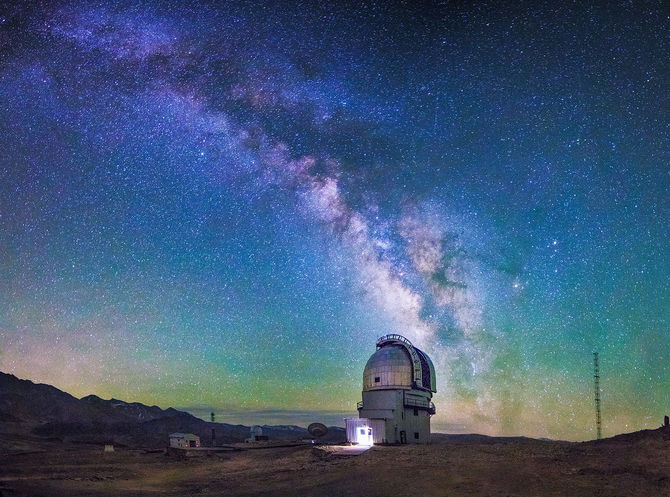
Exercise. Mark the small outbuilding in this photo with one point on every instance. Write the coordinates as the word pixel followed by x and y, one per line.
pixel 256 435
pixel 364 431
pixel 184 440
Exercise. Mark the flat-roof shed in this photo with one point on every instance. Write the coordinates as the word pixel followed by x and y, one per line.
pixel 184 440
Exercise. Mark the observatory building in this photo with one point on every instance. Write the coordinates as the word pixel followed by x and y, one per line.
pixel 398 384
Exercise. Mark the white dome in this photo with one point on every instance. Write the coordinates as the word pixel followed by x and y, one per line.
pixel 388 367
pixel 398 364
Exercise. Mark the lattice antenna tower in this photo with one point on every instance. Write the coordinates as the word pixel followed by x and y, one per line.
pixel 596 386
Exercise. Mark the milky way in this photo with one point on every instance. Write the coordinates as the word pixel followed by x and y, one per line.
pixel 223 206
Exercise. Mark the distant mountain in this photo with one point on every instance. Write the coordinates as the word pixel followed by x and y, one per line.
pixel 26 402
pixel 45 411
pixel 128 410
pixel 475 438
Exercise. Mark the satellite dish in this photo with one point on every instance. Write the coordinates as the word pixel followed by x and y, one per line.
pixel 317 430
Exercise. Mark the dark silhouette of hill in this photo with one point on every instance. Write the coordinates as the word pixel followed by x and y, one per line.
pixel 37 409
pixel 635 438
pixel 477 439
pixel 22 401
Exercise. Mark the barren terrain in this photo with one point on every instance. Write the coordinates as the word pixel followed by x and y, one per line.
pixel 453 465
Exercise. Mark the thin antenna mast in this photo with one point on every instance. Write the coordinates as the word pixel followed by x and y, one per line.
pixel 213 431
pixel 596 384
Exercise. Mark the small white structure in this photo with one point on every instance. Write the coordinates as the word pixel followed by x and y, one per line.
pixel 184 440
pixel 398 385
pixel 362 431
pixel 109 448
pixel 256 434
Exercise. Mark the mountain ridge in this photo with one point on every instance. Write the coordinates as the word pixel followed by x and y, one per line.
pixel 39 409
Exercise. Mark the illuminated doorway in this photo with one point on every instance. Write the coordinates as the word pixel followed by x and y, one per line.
pixel 364 435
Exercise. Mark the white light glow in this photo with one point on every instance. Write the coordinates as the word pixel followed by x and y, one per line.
pixel 364 435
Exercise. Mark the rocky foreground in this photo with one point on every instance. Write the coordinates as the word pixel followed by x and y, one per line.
pixel 51 444
pixel 465 465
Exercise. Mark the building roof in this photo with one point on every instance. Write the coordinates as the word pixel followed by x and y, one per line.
pixel 187 436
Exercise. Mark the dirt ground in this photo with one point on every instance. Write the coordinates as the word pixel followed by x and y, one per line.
pixel 451 466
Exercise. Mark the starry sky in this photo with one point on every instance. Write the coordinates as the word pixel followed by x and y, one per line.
pixel 222 205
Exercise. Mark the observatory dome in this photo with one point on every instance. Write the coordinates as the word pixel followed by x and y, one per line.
pixel 388 367
pixel 397 364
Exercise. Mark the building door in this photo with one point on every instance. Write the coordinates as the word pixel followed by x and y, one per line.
pixel 403 437
pixel 364 435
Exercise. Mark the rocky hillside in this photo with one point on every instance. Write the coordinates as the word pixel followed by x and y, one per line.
pixel 45 411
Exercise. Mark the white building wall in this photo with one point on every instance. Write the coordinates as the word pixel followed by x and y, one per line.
pixel 351 425
pixel 184 443
pixel 178 442
pixel 378 427
pixel 391 416
pixel 417 425
pixel 378 430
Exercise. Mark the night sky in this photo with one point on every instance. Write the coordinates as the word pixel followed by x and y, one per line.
pixel 222 205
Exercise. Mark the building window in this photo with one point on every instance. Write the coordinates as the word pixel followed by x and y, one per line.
pixel 416 411
pixel 362 431
pixel 416 435
pixel 377 379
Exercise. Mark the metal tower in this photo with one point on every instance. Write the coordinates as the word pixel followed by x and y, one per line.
pixel 213 432
pixel 596 382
